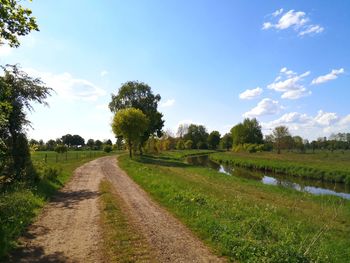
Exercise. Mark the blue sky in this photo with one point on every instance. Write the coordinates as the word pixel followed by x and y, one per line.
pixel 213 63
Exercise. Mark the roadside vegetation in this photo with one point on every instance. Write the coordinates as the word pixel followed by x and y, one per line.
pixel 122 242
pixel 21 202
pixel 324 166
pixel 242 219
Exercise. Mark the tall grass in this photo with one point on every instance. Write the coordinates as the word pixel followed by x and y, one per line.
pixel 242 219
pixel 311 166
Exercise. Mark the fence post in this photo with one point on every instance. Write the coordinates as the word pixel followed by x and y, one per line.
pixel 45 157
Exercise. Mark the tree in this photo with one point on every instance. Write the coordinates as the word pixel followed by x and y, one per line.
pixel 238 134
pixel 15 20
pixel 50 145
pixel 77 140
pixel 280 137
pixel 188 144
pixel 139 95
pixel 197 134
pixel 226 141
pixel 108 142
pixel 17 92
pixel 131 123
pixel 182 130
pixel 214 139
pixel 67 139
pixel 90 143
pixel 247 132
pixel 98 145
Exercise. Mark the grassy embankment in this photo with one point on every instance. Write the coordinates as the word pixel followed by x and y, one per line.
pixel 122 241
pixel 326 166
pixel 243 219
pixel 20 204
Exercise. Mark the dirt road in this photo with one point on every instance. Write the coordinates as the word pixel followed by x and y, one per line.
pixel 68 230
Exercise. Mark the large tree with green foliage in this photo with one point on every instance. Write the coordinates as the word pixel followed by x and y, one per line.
pixel 281 138
pixel 17 92
pixel 247 132
pixel 214 139
pixel 139 95
pixel 15 21
pixel 197 134
pixel 226 141
pixel 131 123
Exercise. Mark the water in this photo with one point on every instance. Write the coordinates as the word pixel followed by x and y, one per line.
pixel 305 185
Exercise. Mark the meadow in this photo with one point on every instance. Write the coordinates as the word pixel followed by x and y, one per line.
pixel 322 165
pixel 21 203
pixel 245 220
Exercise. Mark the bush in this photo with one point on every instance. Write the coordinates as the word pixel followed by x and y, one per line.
pixel 61 149
pixel 202 145
pixel 107 148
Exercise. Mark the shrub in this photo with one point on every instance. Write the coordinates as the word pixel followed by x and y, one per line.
pixel 107 148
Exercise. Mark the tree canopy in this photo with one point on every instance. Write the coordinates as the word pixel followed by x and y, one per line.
pixel 15 21
pixel 139 95
pixel 281 136
pixel 247 132
pixel 131 123
pixel 197 134
pixel 214 139
pixel 17 92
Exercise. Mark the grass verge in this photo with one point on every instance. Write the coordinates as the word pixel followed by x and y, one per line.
pixel 121 240
pixel 245 220
pixel 20 204
pixel 320 166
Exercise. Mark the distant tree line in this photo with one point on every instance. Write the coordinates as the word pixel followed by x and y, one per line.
pixel 70 142
pixel 245 136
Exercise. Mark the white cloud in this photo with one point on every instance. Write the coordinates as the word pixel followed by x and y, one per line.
pixel 277 12
pixel 323 124
pixel 103 73
pixel 250 93
pixel 290 84
pixel 292 19
pixel 325 118
pixel 167 103
pixel 330 76
pixel 265 107
pixel 69 87
pixel 315 29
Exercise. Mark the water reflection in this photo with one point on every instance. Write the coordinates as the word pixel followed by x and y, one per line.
pixel 300 184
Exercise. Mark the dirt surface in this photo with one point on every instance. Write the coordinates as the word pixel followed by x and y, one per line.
pixel 68 229
pixel 169 238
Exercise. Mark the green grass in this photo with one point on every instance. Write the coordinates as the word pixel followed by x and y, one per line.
pixel 20 204
pixel 245 220
pixel 122 242
pixel 326 166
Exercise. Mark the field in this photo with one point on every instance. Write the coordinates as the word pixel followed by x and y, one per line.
pixel 327 166
pixel 20 204
pixel 245 220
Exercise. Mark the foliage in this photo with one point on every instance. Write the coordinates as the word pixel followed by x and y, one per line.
pixel 197 134
pixel 180 145
pixel 138 95
pixel 61 149
pixel 281 138
pixel 107 148
pixel 18 91
pixel 214 139
pixel 73 140
pixel 247 132
pixel 188 144
pixel 314 166
pixel 226 141
pixel 131 123
pixel 15 21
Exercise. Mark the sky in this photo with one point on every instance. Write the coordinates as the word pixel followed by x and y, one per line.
pixel 213 63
